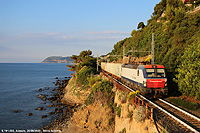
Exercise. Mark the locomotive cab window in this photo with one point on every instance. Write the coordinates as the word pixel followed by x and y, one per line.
pixel 161 73
pixel 138 73
pixel 157 73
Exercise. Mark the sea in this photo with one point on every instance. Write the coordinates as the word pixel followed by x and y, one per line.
pixel 19 84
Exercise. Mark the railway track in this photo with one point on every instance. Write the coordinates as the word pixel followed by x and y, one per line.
pixel 185 119
pixel 177 120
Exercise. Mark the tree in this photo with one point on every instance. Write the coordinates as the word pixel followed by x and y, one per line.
pixel 188 78
pixel 179 14
pixel 159 8
pixel 133 32
pixel 141 25
pixel 169 13
pixel 173 34
pixel 83 59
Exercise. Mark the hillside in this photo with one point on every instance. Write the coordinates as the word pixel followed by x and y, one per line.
pixel 57 59
pixel 177 38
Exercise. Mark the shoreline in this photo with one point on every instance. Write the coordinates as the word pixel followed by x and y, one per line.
pixel 22 102
pixel 63 110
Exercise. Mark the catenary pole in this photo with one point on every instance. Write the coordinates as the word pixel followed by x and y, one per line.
pixel 97 63
pixel 152 49
pixel 123 53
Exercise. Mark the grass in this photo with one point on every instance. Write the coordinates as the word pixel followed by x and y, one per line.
pixel 185 104
pixel 123 130
pixel 118 110
pixel 90 99
pixel 130 114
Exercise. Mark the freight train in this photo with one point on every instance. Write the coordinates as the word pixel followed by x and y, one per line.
pixel 150 80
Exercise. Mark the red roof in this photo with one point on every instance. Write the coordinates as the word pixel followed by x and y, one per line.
pixel 185 1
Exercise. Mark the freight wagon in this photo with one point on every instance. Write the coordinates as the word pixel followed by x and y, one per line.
pixel 113 68
pixel 150 80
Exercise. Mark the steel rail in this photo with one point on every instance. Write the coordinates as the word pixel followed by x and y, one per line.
pixel 166 112
pixel 194 117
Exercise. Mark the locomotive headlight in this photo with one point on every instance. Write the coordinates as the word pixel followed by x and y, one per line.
pixel 144 83
pixel 166 83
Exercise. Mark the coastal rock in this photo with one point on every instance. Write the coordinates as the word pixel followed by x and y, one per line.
pixel 17 111
pixel 55 109
pixel 30 114
pixel 43 97
pixel 51 105
pixel 56 101
pixel 40 89
pixel 44 116
pixel 60 111
pixel 52 98
pixel 72 104
pixel 52 113
pixel 65 112
pixel 47 88
pixel 58 105
pixel 60 108
pixel 41 108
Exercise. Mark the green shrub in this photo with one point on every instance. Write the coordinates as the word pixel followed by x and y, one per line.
pixel 101 90
pixel 122 96
pixel 188 71
pixel 130 114
pixel 131 95
pixel 123 130
pixel 139 114
pixel 83 74
pixel 90 99
pixel 92 79
pixel 103 86
pixel 83 59
pixel 118 110
pixel 185 104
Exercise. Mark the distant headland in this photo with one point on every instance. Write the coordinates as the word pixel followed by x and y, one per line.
pixel 57 59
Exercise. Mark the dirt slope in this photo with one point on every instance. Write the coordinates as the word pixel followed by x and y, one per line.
pixel 130 124
pixel 95 118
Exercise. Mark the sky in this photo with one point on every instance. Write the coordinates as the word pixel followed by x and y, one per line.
pixel 31 30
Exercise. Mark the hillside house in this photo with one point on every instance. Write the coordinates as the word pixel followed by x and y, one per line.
pixel 189 1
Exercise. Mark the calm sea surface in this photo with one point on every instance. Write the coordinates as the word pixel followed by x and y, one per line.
pixel 19 83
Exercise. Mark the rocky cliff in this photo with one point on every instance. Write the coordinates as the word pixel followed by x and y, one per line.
pixel 96 117
pixel 57 59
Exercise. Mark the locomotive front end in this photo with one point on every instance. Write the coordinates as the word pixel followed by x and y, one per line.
pixel 155 81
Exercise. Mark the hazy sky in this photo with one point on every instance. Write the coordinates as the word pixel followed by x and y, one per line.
pixel 31 30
